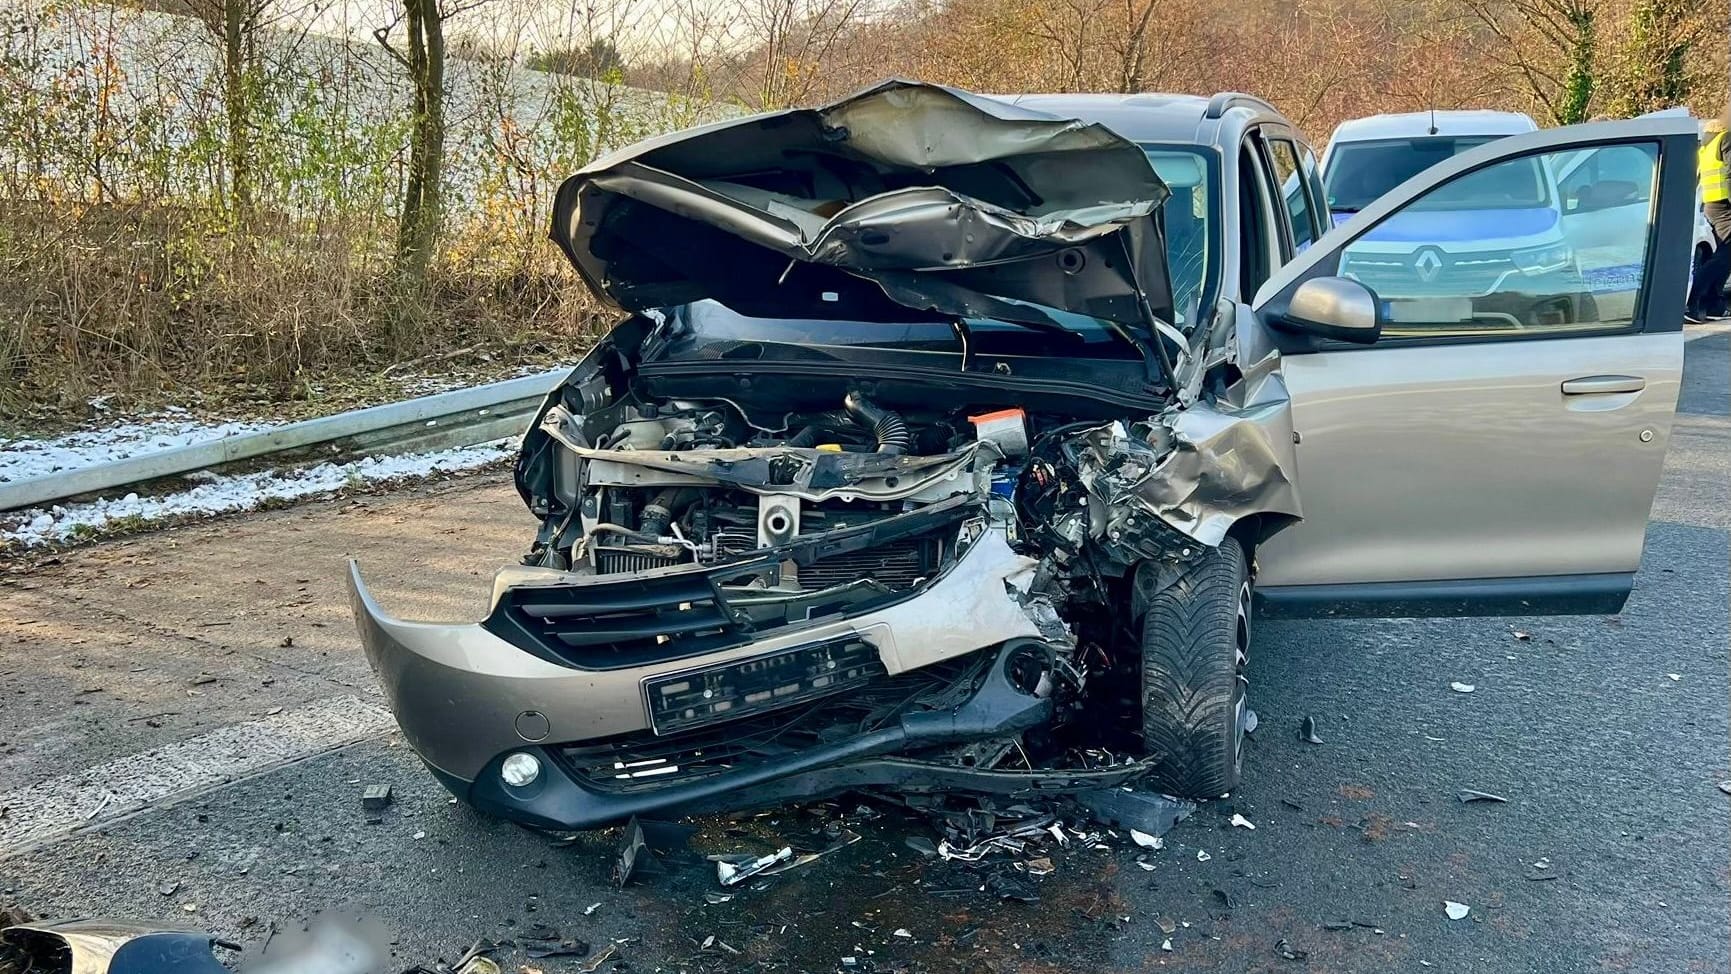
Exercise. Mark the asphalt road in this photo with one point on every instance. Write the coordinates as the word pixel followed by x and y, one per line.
pixel 149 671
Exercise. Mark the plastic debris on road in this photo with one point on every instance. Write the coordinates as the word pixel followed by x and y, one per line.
pixel 1459 687
pixel 1145 840
pixel 1307 731
pixel 1456 911
pixel 734 869
pixel 1239 821
pixel 1468 795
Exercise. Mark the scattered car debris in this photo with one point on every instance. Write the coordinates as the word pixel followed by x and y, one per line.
pixel 1468 795
pixel 735 869
pixel 376 798
pixel 600 957
pixel 1459 687
pixel 1289 952
pixel 1202 855
pixel 1145 840
pixel 1239 821
pixel 169 888
pixel 1166 944
pixel 590 909
pixel 1134 808
pixel 1307 731
pixel 1456 911
pixel 1521 635
pixel 922 845
pixel 642 846
pixel 1725 786
pixel 1006 885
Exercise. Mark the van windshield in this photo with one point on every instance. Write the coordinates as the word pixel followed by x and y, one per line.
pixel 1359 172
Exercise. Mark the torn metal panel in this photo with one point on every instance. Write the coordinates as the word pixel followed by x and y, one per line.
pixel 946 200
pixel 1196 469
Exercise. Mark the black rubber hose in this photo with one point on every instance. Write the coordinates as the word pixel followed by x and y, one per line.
pixel 891 430
pixel 659 513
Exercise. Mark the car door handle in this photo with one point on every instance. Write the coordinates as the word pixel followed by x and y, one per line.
pixel 1589 385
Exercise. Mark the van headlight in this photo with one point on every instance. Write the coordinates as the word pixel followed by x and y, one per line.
pixel 1543 260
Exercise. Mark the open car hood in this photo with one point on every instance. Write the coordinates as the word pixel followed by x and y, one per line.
pixel 903 198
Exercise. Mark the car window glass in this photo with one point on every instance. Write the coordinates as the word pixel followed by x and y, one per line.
pixel 1256 227
pixel 1614 175
pixel 1292 191
pixel 1187 214
pixel 1313 179
pixel 1496 253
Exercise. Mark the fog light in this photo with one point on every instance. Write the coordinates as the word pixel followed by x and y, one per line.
pixel 520 769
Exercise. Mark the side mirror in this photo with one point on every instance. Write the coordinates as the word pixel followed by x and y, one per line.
pixel 1337 308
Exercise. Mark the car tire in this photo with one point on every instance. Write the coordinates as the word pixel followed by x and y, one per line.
pixel 1195 644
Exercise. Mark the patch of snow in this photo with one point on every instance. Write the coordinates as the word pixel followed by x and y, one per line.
pixel 27 459
pixel 221 494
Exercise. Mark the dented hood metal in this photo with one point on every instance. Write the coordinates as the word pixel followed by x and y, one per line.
pixel 903 196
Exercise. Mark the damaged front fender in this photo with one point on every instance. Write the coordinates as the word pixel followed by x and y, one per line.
pixel 1197 470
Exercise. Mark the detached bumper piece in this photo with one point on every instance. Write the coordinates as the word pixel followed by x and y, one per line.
pixel 819 748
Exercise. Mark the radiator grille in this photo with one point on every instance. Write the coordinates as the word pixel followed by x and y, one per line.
pixel 898 565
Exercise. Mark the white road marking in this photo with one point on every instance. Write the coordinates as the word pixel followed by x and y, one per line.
pixel 34 813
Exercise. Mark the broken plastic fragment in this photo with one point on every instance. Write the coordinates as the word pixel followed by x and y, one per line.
pixel 1469 795
pixel 1239 821
pixel 1166 944
pixel 1202 855
pixel 740 869
pixel 1456 911
pixel 1145 840
pixel 1307 731
pixel 1459 687
pixel 1147 866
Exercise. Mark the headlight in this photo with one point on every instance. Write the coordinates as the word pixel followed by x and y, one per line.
pixel 1543 260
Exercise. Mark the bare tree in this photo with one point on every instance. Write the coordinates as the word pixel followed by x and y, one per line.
pixel 794 41
pixel 1552 46
pixel 422 58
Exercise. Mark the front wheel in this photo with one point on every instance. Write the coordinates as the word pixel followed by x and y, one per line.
pixel 1195 644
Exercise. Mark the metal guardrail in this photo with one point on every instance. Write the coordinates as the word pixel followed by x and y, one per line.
pixel 463 417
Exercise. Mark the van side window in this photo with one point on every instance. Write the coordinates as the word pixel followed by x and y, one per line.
pixel 1294 193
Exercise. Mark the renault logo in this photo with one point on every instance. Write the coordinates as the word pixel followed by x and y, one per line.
pixel 1428 264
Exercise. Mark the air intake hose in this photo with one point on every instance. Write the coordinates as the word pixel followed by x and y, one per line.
pixel 890 429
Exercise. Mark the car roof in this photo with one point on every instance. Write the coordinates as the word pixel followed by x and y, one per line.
pixel 1419 124
pixel 1145 117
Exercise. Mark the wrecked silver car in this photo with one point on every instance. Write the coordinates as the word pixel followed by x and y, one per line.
pixel 923 460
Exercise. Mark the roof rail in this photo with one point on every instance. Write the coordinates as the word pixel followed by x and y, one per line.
pixel 1225 101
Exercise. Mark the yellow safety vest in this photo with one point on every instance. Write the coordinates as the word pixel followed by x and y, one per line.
pixel 1714 172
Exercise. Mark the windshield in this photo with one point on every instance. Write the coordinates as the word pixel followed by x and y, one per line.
pixel 1190 224
pixel 1359 172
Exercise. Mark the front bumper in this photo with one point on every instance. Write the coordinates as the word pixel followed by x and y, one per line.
pixel 465 699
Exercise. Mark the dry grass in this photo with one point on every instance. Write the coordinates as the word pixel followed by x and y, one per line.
pixel 149 305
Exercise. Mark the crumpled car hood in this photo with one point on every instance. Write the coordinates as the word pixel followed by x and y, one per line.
pixel 903 198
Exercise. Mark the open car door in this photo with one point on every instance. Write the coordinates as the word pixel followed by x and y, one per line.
pixel 1496 449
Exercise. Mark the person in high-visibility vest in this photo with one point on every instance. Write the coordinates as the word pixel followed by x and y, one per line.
pixel 1713 169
